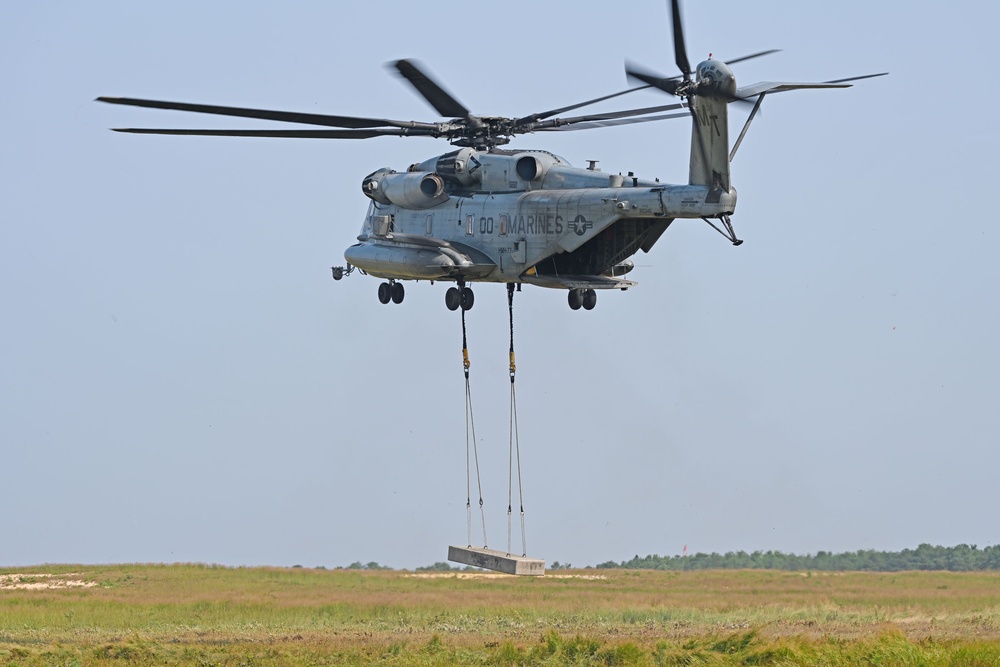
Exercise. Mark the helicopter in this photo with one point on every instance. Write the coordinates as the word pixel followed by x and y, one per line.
pixel 486 213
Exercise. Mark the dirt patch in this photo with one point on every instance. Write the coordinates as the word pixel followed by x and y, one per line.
pixel 43 582
pixel 495 575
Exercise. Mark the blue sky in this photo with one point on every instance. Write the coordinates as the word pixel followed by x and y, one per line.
pixel 181 380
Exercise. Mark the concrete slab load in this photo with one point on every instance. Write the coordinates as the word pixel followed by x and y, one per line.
pixel 499 561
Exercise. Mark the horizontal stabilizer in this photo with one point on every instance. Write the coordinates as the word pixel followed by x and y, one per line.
pixel 578 282
pixel 780 86
pixel 755 89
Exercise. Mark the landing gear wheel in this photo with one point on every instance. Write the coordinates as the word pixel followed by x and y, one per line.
pixel 397 292
pixel 575 299
pixel 384 293
pixel 468 298
pixel 453 298
pixel 589 299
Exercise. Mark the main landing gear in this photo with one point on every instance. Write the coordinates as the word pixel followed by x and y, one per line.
pixel 459 297
pixel 391 291
pixel 582 297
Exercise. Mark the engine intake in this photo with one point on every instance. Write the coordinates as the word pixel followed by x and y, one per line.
pixel 529 168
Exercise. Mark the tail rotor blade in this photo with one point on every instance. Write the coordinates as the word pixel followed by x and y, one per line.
pixel 637 72
pixel 680 52
pixel 752 56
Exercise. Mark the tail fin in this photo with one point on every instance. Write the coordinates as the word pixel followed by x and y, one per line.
pixel 709 142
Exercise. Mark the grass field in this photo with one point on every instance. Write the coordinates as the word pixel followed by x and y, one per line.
pixel 203 615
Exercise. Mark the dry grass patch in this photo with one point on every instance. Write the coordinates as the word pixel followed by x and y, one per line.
pixel 196 614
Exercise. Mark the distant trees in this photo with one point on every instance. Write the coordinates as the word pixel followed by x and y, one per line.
pixel 961 558
pixel 372 565
pixel 439 566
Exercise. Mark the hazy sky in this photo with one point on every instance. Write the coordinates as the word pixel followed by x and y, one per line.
pixel 181 380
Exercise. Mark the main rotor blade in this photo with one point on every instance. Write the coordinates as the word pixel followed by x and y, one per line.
pixel 263 114
pixel 288 134
pixel 442 101
pixel 680 52
pixel 611 115
pixel 554 112
pixel 593 124
pixel 751 56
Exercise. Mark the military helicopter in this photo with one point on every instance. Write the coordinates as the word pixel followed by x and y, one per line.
pixel 482 213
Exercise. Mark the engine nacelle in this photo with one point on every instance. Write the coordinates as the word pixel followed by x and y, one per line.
pixel 413 190
pixel 460 166
pixel 372 186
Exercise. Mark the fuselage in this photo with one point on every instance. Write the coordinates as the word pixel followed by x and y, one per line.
pixel 516 216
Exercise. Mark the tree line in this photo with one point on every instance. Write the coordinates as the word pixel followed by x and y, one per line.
pixel 961 558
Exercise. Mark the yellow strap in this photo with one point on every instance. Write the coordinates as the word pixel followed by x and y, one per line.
pixel 465 358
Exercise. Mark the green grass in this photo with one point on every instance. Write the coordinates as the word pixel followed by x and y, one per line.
pixel 205 615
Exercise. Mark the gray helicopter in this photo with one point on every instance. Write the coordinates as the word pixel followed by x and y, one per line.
pixel 483 213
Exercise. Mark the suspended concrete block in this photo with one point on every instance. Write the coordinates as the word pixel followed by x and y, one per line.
pixel 499 561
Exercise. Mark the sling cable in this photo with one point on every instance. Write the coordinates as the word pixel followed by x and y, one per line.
pixel 485 557
pixel 515 443
pixel 470 432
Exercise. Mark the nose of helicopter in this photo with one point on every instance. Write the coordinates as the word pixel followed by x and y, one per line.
pixel 717 75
